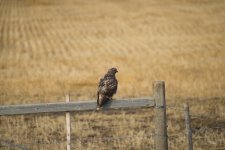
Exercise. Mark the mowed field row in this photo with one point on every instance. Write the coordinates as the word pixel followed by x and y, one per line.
pixel 49 48
pixel 72 43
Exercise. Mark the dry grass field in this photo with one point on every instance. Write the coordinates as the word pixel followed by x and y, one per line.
pixel 52 47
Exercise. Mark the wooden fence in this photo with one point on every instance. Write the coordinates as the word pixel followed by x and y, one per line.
pixel 158 101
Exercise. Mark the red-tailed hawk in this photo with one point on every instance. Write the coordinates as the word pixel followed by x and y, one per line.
pixel 107 87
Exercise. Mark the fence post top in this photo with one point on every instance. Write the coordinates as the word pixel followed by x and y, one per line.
pixel 159 82
pixel 186 105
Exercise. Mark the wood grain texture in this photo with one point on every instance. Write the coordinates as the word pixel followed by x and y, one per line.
pixel 188 126
pixel 68 126
pixel 161 138
pixel 73 106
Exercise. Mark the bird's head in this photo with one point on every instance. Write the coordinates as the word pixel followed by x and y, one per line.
pixel 112 71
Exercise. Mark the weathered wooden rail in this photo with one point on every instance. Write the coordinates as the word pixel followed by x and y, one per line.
pixel 73 106
pixel 158 101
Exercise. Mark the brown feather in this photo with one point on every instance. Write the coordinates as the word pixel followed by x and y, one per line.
pixel 107 87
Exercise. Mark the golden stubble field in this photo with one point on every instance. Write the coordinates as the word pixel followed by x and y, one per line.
pixel 49 48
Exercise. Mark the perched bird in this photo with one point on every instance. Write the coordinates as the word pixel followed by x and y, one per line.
pixel 107 87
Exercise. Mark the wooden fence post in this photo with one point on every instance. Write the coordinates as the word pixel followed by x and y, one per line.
pixel 188 126
pixel 161 139
pixel 68 145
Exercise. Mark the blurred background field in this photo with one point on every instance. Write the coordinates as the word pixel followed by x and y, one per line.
pixel 49 48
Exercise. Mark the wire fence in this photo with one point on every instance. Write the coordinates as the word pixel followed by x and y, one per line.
pixel 198 133
pixel 26 145
pixel 212 134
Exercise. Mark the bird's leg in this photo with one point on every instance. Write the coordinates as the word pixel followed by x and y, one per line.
pixel 97 98
pixel 98 102
pixel 109 98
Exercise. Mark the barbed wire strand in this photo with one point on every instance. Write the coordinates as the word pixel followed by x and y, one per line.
pixel 197 99
pixel 203 129
pixel 5 143
pixel 19 146
pixel 175 108
pixel 114 147
pixel 148 120
pixel 206 99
